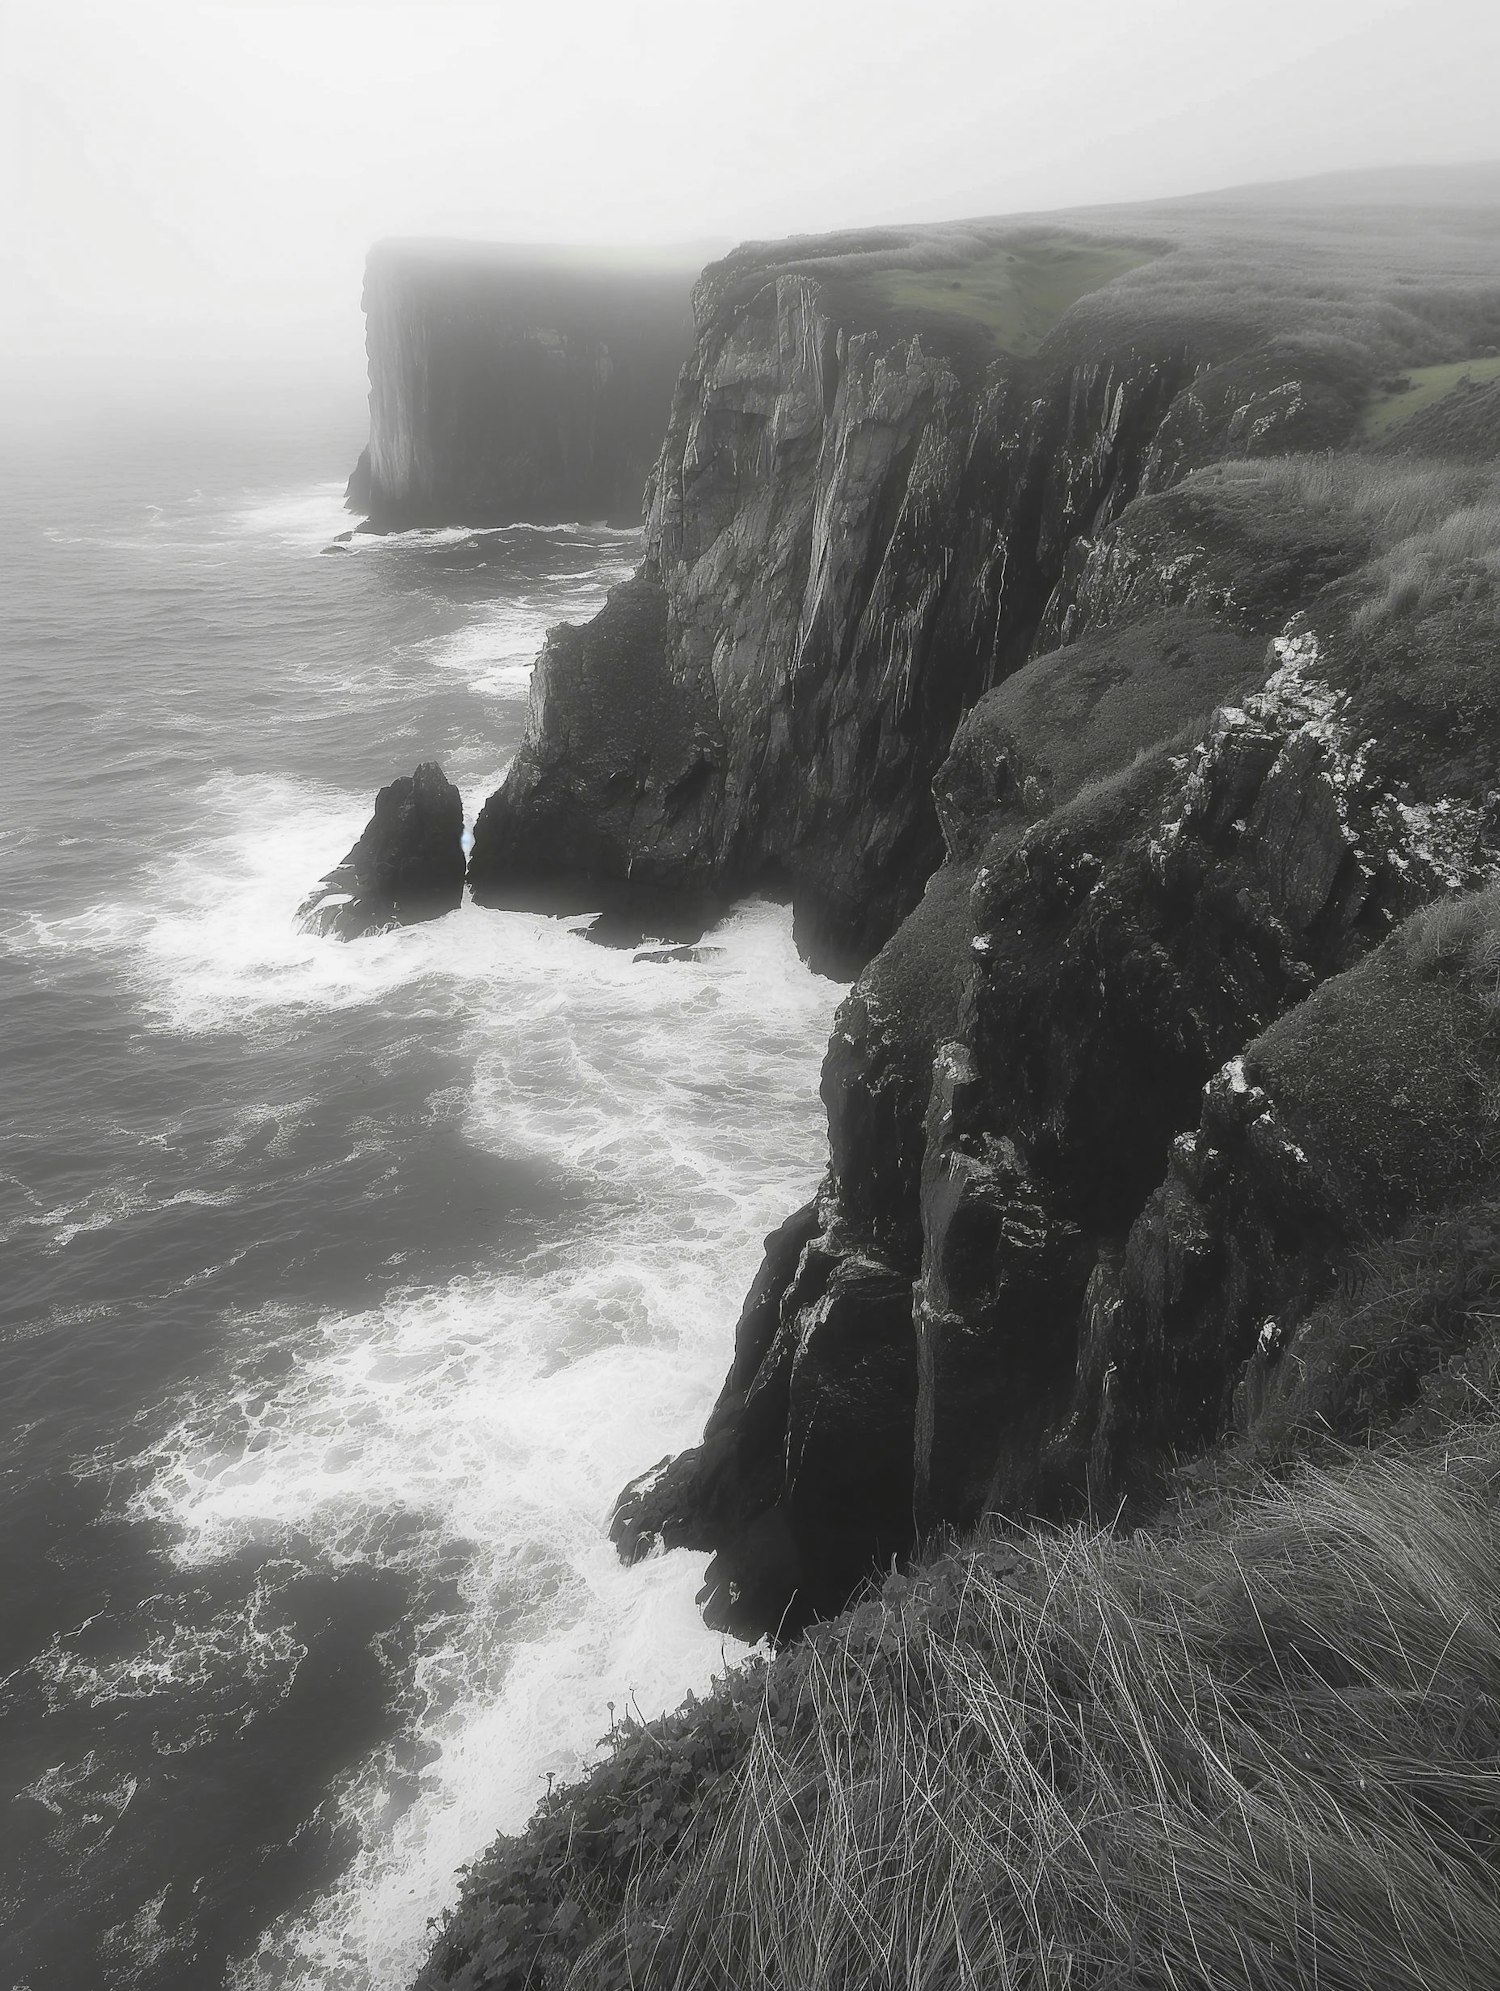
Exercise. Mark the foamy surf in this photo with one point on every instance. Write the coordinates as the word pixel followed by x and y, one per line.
pixel 359 1278
pixel 309 516
pixel 483 1427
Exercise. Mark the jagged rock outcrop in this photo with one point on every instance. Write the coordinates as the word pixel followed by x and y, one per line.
pixel 408 864
pixel 515 384
pixel 864 516
pixel 586 821
pixel 1374 1099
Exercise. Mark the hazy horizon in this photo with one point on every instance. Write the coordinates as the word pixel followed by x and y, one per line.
pixel 193 184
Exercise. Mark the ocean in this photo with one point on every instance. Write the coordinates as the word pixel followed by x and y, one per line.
pixel 341 1285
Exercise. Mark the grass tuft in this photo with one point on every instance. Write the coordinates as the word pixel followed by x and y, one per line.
pixel 1250 1755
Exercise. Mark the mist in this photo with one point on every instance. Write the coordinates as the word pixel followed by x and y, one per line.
pixel 192 188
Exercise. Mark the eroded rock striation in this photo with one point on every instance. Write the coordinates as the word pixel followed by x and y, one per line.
pixel 515 384
pixel 408 864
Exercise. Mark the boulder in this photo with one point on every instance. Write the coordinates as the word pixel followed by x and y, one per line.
pixel 407 866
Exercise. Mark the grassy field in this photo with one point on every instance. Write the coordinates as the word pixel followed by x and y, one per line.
pixel 1015 294
pixel 1423 388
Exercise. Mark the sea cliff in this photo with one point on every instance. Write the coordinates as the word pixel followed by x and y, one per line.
pixel 1059 615
pixel 881 464
pixel 515 384
pixel 1002 607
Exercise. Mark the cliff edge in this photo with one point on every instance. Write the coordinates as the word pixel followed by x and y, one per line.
pixel 885 461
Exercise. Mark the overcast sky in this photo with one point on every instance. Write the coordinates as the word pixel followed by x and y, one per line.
pixel 170 169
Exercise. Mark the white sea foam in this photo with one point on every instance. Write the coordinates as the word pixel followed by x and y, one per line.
pixel 494 653
pixel 481 1428
pixel 494 656
pixel 218 1661
pixel 310 515
pixel 471 1434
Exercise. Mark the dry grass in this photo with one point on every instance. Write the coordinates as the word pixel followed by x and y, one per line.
pixel 1458 937
pixel 1261 1752
pixel 1430 528
pixel 1422 572
pixel 1392 498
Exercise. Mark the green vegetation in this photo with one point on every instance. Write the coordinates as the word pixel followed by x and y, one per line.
pixel 1386 1074
pixel 1366 292
pixel 1392 407
pixel 1256 1748
pixel 1016 294
pixel 1404 1345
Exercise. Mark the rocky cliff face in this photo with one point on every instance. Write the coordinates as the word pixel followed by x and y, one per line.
pixel 853 531
pixel 1098 731
pixel 1082 1181
pixel 510 385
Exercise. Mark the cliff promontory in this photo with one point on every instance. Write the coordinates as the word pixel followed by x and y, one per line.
pixel 516 384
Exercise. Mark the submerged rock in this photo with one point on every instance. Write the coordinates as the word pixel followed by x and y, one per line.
pixel 407 866
pixel 678 953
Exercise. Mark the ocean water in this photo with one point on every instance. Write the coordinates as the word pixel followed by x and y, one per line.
pixel 341 1286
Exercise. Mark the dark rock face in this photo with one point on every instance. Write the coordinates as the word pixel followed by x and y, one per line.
pixel 823 1368
pixel 1369 1102
pixel 857 530
pixel 1052 716
pixel 407 866
pixel 847 543
pixel 1005 1305
pixel 589 818
pixel 514 384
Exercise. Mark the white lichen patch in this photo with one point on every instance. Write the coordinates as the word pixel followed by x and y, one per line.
pixel 1434 844
pixel 1292 700
pixel 1444 837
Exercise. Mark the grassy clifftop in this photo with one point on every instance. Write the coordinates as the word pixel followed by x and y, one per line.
pixel 1398 270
